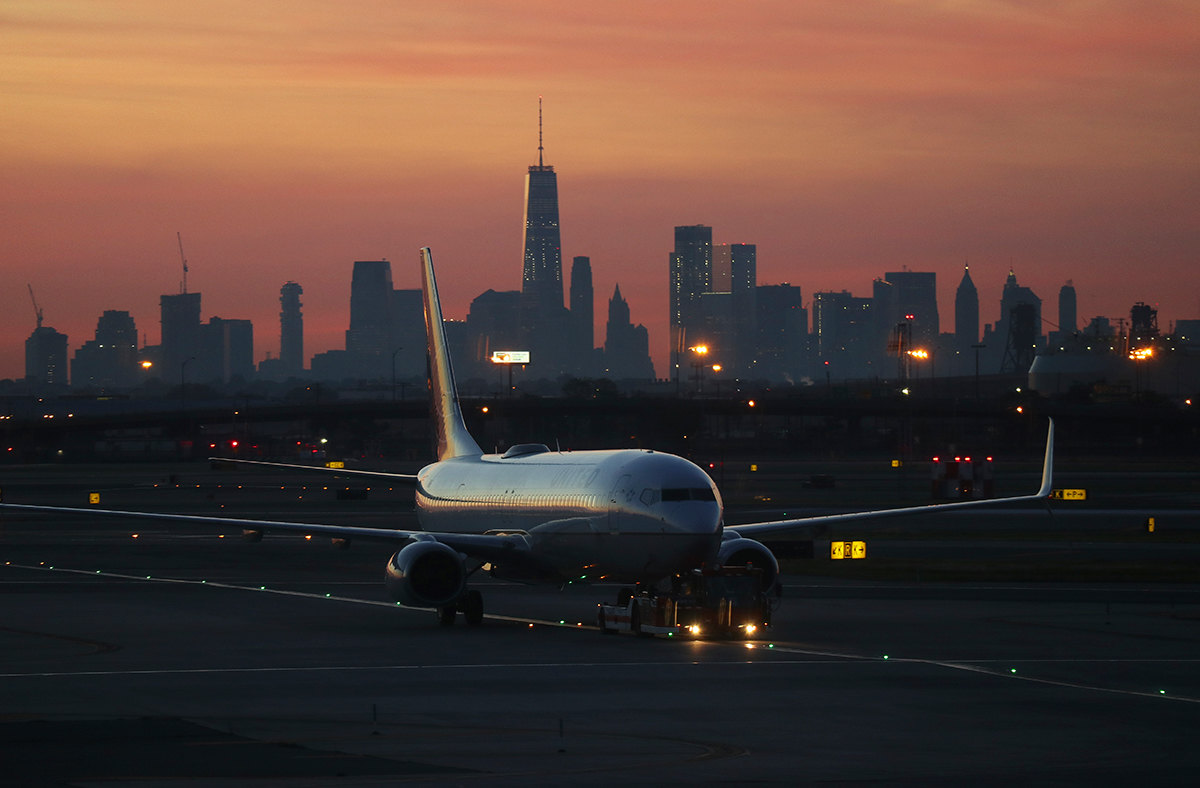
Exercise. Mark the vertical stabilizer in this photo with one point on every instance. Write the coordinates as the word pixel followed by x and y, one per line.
pixel 453 440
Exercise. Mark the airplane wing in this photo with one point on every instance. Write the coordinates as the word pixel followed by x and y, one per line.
pixel 818 522
pixel 487 547
pixel 395 477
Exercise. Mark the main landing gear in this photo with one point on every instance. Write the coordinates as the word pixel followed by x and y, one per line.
pixel 471 606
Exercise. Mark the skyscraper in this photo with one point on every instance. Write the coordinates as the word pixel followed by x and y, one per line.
pixel 626 346
pixel 743 285
pixel 541 275
pixel 583 315
pixel 111 359
pixel 369 337
pixel 180 315
pixel 1019 326
pixel 543 318
pixel 1068 319
pixel 691 265
pixel 291 329
pixel 966 313
pixel 46 358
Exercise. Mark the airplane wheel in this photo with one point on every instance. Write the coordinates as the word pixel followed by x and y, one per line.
pixel 473 608
pixel 446 615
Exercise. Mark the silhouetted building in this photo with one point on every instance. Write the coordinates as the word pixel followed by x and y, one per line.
pixel 407 340
pixel 782 331
pixel 543 317
pixel 110 360
pixel 291 329
pixel 583 317
pixel 491 327
pixel 1068 316
pixel 46 359
pixel 1019 327
pixel 845 336
pixel 180 315
pixel 626 346
pixel 908 297
pixel 226 352
pixel 369 335
pixel 691 265
pixel 742 263
pixel 966 323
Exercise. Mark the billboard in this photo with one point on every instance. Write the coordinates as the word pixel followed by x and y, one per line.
pixel 510 356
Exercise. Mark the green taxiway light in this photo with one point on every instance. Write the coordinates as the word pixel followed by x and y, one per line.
pixel 1012 670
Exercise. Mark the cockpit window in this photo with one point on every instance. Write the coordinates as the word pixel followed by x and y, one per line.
pixel 688 494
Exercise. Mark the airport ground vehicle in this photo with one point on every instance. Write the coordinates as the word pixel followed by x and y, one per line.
pixel 726 601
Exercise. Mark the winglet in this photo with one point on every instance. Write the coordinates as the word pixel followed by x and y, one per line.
pixel 453 440
pixel 1048 464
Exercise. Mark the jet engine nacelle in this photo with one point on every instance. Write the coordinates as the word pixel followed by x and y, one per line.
pixel 740 551
pixel 426 574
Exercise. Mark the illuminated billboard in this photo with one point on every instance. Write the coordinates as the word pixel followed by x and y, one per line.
pixel 510 357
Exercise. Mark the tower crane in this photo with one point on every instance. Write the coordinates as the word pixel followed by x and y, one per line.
pixel 37 310
pixel 183 287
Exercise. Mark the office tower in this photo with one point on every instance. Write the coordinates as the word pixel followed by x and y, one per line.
pixel 370 308
pixel 111 359
pixel 743 283
pixel 911 297
pixel 1068 319
pixel 46 358
pixel 1019 326
pixel 291 329
pixel 966 314
pixel 582 315
pixel 690 272
pixel 226 351
pixel 782 331
pixel 626 346
pixel 844 332
pixel 541 275
pixel 180 315
pixel 408 335
pixel 543 318
pixel 490 327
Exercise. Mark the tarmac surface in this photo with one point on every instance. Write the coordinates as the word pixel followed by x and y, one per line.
pixel 184 657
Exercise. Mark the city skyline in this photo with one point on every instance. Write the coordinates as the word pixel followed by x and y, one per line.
pixel 843 141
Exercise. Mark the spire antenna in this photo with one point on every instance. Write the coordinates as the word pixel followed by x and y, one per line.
pixel 540 131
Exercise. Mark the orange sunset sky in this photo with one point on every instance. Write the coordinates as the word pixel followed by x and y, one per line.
pixel 287 139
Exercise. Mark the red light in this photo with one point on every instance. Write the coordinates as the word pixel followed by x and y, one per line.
pixel 212 445
pixel 968 459
pixel 989 459
pixel 234 444
pixel 936 459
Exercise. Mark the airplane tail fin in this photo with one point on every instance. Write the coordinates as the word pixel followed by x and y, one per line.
pixel 453 440
pixel 1048 464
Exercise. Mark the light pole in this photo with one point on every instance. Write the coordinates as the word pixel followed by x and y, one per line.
pixel 700 352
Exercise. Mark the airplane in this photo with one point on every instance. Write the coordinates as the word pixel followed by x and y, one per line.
pixel 537 515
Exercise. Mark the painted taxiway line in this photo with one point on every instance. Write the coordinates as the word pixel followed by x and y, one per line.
pixel 821 656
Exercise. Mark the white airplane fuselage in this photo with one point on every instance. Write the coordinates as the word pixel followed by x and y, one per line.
pixel 622 515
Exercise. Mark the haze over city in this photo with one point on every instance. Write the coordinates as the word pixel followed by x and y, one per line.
pixel 287 140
